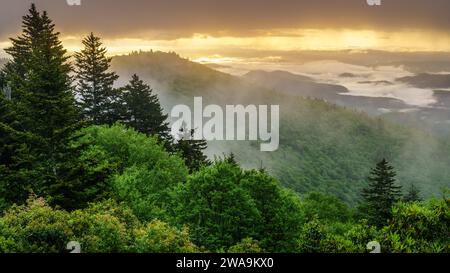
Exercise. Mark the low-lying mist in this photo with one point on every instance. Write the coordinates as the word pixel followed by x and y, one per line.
pixel 323 147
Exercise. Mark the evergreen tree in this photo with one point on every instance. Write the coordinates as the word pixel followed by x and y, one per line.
pixel 143 110
pixel 83 178
pixel 16 160
pixel 16 71
pixel 2 80
pixel 5 89
pixel 231 159
pixel 413 194
pixel 98 99
pixel 381 194
pixel 38 75
pixel 191 149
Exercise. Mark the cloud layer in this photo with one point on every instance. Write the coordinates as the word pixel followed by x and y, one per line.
pixel 180 18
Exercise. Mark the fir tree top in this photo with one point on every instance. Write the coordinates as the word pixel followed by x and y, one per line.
pixel 382 193
pixel 95 82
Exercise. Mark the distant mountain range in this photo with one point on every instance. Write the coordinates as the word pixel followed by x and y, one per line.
pixel 298 85
pixel 435 117
pixel 424 80
pixel 325 144
pixel 415 62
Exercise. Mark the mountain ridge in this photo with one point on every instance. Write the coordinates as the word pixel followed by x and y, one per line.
pixel 323 147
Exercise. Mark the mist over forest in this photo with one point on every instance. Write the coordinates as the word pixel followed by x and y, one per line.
pixel 320 125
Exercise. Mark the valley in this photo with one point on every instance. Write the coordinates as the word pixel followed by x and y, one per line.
pixel 328 141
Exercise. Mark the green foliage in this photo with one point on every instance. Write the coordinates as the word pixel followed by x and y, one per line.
pixel 97 97
pixel 323 147
pixel 418 228
pixel 353 239
pixel 16 161
pixel 381 194
pixel 103 227
pixel 223 205
pixel 2 79
pixel 117 189
pixel 42 112
pixel 35 228
pixel 145 174
pixel 143 111
pixel 279 209
pixel 191 149
pixel 247 245
pixel 127 148
pixel 413 194
pixel 319 237
pixel 325 208
pixel 312 238
pixel 148 192
pixel 220 212
pixel 413 228
pixel 84 176
pixel 159 237
pixel 39 75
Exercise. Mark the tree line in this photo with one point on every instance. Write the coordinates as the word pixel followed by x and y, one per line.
pixel 48 106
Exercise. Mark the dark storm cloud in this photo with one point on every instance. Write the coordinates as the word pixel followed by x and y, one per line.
pixel 174 18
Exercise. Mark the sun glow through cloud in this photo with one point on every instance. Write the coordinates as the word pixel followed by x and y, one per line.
pixel 275 40
pixel 284 41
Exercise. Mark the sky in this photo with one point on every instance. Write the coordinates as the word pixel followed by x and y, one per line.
pixel 194 26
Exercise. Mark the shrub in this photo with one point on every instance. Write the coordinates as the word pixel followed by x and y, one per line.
pixel 146 174
pixel 417 227
pixel 105 227
pixel 247 245
pixel 159 237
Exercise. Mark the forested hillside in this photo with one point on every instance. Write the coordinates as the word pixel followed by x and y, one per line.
pixel 323 147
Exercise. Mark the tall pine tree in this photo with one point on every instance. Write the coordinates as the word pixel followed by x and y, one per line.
pixel 381 194
pixel 42 97
pixel 143 110
pixel 98 99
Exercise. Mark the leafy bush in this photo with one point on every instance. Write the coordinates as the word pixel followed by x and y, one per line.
pixel 325 207
pixel 279 208
pixel 417 227
pixel 146 174
pixel 220 212
pixel 34 228
pixel 103 227
pixel 224 204
pixel 353 240
pixel 247 245
pixel 159 237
